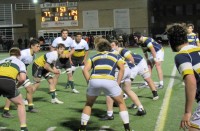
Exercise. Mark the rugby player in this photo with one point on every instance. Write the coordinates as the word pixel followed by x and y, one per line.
pixel 27 57
pixel 192 37
pixel 188 64
pixel 63 61
pixel 42 67
pixel 155 57
pixel 12 69
pixel 102 78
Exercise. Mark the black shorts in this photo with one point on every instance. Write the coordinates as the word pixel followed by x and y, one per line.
pixel 38 71
pixel 8 87
pixel 77 61
pixel 63 63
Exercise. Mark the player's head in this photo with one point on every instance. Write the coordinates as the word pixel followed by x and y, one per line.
pixel 34 45
pixel 15 52
pixel 64 33
pixel 190 28
pixel 177 35
pixel 114 44
pixel 60 48
pixel 137 37
pixel 103 45
pixel 78 37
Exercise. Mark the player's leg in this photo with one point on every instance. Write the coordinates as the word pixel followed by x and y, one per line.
pixel 6 109
pixel 18 101
pixel 109 104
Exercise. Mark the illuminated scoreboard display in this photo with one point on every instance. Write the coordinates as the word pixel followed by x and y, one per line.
pixel 59 14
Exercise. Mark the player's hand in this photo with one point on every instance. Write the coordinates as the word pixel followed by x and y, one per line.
pixel 56 71
pixel 185 122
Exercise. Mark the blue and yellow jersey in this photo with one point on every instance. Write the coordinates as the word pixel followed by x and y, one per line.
pixel 124 53
pixel 150 43
pixel 49 58
pixel 104 65
pixel 192 39
pixel 188 62
pixel 137 58
pixel 80 48
pixel 11 67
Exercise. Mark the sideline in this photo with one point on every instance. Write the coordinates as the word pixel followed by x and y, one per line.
pixel 164 108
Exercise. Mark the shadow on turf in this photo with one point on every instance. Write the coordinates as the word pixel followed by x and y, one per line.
pixel 75 84
pixel 73 124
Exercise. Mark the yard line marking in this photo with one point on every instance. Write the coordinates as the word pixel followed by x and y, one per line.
pixel 3 128
pixel 164 108
pixel 51 128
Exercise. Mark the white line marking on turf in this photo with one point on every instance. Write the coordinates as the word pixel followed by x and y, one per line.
pixel 3 128
pixel 51 128
pixel 164 108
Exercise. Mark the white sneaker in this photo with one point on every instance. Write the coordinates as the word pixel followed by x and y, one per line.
pixel 25 102
pixel 155 98
pixel 125 96
pixel 143 86
pixel 56 101
pixel 75 91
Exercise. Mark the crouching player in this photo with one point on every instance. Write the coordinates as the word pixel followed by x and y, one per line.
pixel 102 78
pixel 27 57
pixel 12 69
pixel 42 67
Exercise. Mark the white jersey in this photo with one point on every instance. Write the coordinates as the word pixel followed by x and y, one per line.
pixel 26 57
pixel 11 67
pixel 51 57
pixel 68 42
pixel 80 48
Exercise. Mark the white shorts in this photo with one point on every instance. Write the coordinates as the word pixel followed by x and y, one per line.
pixel 109 87
pixel 126 76
pixel 159 56
pixel 195 119
pixel 140 69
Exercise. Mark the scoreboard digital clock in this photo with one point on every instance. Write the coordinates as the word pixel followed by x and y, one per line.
pixel 59 14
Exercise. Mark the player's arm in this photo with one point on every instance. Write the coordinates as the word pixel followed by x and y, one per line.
pixel 48 67
pixel 85 57
pixel 86 70
pixel 120 65
pixel 190 92
pixel 21 78
pixel 153 52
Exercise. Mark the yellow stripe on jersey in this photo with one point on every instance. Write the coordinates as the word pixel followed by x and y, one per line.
pixel 103 67
pixel 198 70
pixel 102 76
pixel 107 57
pixel 66 52
pixel 187 72
pixel 195 125
pixel 9 71
pixel 127 55
pixel 189 51
pixel 79 53
pixel 41 61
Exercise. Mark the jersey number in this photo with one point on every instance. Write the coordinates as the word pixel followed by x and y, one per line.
pixel 7 63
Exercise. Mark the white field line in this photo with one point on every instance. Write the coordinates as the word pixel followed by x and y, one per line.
pixel 164 108
pixel 51 128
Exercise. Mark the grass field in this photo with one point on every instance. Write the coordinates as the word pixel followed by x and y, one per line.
pixel 66 117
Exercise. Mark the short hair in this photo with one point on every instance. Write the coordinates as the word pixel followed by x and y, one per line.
pixel 15 51
pixel 103 45
pixel 116 42
pixel 60 45
pixel 33 42
pixel 137 34
pixel 190 24
pixel 64 29
pixel 78 33
pixel 177 35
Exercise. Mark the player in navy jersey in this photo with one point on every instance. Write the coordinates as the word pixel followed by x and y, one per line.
pixel 187 61
pixel 192 37
pixel 102 78
pixel 155 56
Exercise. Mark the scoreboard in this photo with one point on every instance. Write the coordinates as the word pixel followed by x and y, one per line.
pixel 59 14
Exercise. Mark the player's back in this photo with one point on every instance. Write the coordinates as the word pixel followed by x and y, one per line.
pixel 10 67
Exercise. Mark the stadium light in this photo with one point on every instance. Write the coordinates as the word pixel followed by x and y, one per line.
pixel 35 1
